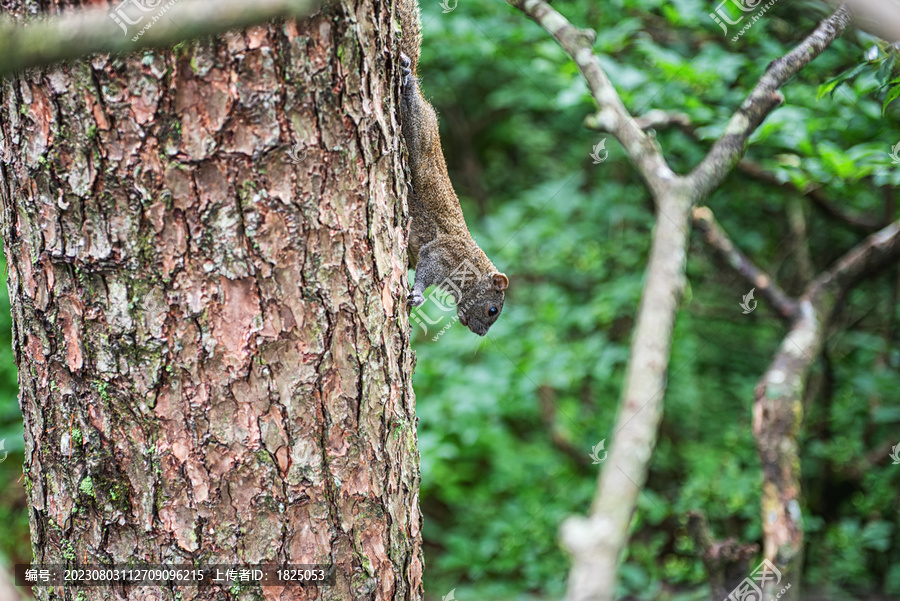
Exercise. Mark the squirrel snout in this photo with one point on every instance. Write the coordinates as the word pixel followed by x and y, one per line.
pixel 463 320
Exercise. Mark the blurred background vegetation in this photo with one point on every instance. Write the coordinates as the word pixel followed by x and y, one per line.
pixel 507 423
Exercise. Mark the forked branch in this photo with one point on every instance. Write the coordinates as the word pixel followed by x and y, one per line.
pixel 596 542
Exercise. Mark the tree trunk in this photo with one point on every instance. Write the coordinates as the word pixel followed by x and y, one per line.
pixel 213 352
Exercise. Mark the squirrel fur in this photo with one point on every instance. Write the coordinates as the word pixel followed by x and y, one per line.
pixel 441 249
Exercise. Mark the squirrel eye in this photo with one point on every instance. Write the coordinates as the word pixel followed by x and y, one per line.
pixel 492 311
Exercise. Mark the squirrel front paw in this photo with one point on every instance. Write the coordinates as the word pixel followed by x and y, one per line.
pixel 415 299
pixel 405 69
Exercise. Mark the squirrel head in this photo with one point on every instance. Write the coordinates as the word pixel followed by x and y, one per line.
pixel 482 303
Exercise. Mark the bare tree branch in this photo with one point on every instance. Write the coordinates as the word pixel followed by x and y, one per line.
pixel 596 542
pixel 865 258
pixel 727 151
pixel 705 222
pixel 659 119
pixel 612 116
pixel 878 17
pixel 92 31
pixel 778 408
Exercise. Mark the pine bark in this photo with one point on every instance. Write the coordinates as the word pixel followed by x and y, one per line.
pixel 213 351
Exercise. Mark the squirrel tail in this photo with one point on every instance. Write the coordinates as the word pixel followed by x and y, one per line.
pixel 411 30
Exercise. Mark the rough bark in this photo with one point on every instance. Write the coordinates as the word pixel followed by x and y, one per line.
pixel 213 355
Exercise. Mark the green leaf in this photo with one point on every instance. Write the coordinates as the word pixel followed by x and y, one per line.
pixel 884 71
pixel 830 86
pixel 877 535
pixel 886 415
pixel 892 95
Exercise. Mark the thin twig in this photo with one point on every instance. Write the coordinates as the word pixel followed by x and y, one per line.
pixel 727 151
pixel 718 240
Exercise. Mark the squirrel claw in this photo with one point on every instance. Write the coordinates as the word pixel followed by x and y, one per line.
pixel 405 68
pixel 415 299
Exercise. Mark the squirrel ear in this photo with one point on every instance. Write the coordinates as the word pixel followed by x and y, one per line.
pixel 499 281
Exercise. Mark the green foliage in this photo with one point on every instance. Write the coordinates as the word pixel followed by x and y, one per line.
pixel 881 60
pixel 573 237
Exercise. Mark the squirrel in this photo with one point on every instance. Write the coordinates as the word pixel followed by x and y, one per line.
pixel 441 249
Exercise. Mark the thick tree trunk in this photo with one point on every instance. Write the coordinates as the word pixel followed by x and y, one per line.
pixel 213 358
